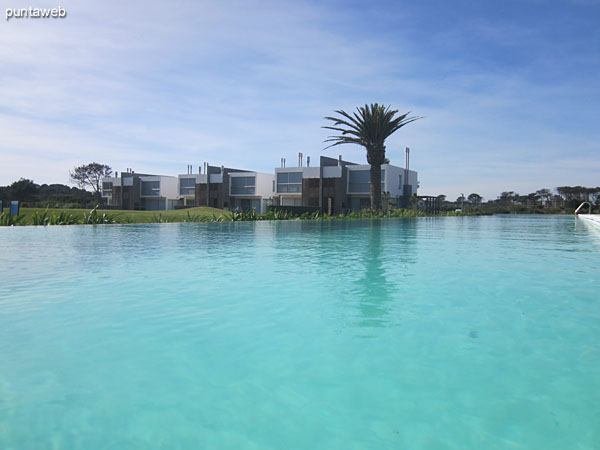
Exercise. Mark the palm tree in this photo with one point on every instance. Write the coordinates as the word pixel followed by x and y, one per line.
pixel 369 126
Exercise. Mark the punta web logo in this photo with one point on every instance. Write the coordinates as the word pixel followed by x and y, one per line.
pixel 35 13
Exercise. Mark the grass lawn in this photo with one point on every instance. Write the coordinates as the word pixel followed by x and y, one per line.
pixel 126 216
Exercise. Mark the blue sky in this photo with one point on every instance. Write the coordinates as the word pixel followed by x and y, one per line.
pixel 510 90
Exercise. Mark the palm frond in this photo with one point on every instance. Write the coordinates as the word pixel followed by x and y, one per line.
pixel 370 125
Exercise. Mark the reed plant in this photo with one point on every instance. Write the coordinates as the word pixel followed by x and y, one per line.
pixel 38 218
pixel 96 218
pixel 161 219
pixel 9 220
pixel 244 215
pixel 219 218
pixel 64 218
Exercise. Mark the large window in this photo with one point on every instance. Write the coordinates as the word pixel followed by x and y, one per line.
pixel 153 204
pixel 359 181
pixel 107 187
pixel 243 185
pixel 291 201
pixel 246 204
pixel 357 204
pixel 289 183
pixel 151 188
pixel 187 186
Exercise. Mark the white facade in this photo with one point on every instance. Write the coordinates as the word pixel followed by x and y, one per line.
pixel 332 171
pixel 186 187
pixel 251 190
pixel 285 183
pixel 393 179
pixel 288 183
pixel 107 188
pixel 158 192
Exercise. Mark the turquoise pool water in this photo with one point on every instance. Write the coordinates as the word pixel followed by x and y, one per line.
pixel 446 333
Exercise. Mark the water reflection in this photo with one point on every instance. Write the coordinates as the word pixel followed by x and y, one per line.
pixel 373 289
pixel 384 258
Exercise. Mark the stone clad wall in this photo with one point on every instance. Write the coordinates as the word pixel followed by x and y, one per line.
pixel 334 188
pixel 310 191
pixel 218 197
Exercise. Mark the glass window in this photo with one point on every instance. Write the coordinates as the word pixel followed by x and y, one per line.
pixel 289 182
pixel 153 204
pixel 187 186
pixel 107 187
pixel 246 204
pixel 291 201
pixel 359 181
pixel 243 185
pixel 150 188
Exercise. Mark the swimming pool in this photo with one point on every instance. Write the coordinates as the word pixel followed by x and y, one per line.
pixel 458 332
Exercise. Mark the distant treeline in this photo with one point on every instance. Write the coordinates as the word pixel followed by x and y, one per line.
pixel 564 199
pixel 34 195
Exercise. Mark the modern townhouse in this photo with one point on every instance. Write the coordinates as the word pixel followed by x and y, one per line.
pixel 227 188
pixel 334 186
pixel 206 188
pixel 337 186
pixel 397 186
pixel 133 190
pixel 249 190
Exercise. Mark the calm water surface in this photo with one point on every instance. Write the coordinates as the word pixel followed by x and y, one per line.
pixel 446 333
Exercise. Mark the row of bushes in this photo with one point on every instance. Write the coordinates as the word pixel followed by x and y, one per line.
pixel 364 214
pixel 63 218
pixel 94 217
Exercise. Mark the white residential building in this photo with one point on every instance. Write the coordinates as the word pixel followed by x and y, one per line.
pixel 249 190
pixel 396 182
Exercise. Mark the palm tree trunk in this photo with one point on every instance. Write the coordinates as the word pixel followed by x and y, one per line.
pixel 375 186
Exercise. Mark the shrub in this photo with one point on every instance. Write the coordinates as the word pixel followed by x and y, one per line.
pixel 40 218
pixel 95 218
pixel 64 218
pixel 8 220
pixel 161 219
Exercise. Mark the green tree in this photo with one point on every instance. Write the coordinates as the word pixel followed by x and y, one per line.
pixel 507 198
pixel 369 127
pixel 24 190
pixel 475 199
pixel 90 175
pixel 544 195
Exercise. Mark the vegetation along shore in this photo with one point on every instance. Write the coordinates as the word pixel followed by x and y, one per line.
pixel 95 216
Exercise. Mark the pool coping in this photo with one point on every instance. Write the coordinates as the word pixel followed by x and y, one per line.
pixel 592 219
